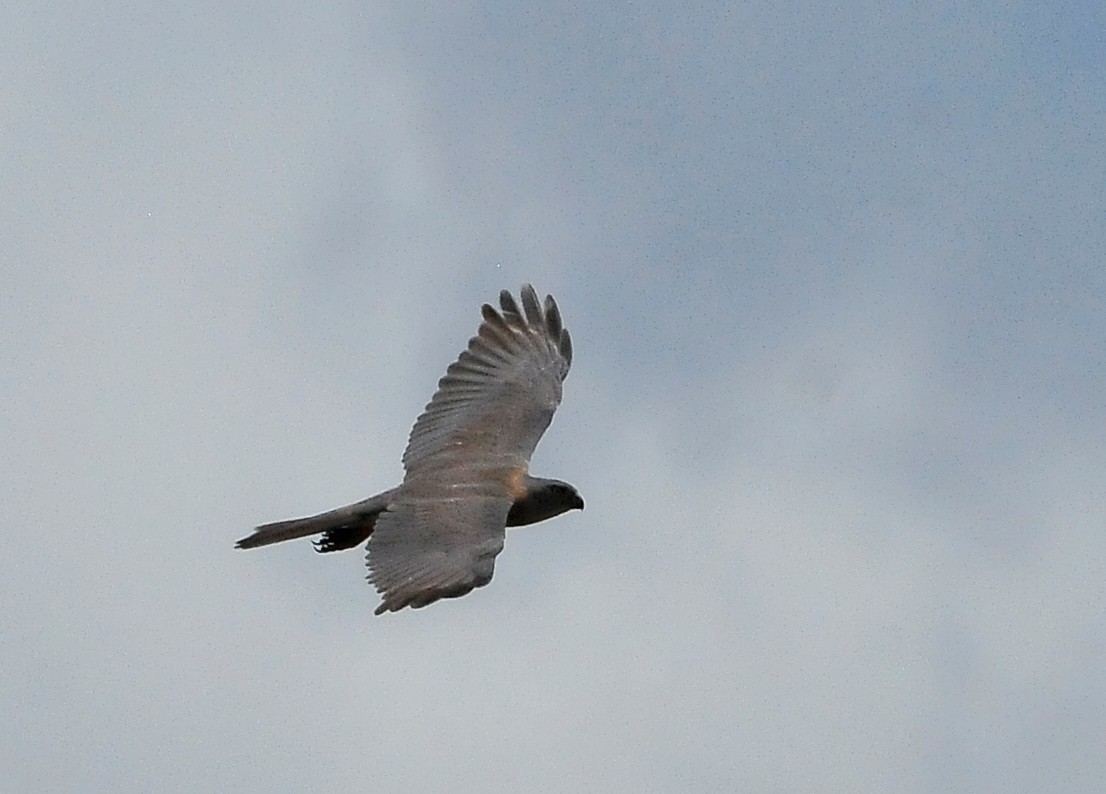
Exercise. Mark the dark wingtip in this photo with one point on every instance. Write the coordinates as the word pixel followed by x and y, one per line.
pixel 566 346
pixel 507 303
pixel 531 306
pixel 544 317
pixel 553 318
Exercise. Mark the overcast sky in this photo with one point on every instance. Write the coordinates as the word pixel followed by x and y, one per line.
pixel 835 278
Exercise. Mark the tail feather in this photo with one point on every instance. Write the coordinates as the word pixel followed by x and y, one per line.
pixel 342 528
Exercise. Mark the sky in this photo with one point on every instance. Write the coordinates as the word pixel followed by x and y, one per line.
pixel 834 276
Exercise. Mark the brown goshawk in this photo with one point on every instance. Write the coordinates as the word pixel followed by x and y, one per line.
pixel 437 534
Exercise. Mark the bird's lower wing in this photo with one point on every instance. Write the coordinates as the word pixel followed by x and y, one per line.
pixel 427 548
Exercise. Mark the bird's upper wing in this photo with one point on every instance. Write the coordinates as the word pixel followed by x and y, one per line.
pixel 499 396
pixel 436 545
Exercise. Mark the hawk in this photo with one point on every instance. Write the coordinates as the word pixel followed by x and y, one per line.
pixel 467 478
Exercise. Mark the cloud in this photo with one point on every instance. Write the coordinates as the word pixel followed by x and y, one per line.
pixel 834 408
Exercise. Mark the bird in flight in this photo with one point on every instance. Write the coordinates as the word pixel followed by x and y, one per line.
pixel 436 535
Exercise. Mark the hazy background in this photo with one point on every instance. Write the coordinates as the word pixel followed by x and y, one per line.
pixel 836 281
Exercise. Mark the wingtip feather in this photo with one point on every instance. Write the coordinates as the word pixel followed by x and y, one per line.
pixel 532 308
pixel 553 322
pixel 507 303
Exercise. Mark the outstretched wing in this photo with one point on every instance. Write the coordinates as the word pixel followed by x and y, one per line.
pixel 498 398
pixel 435 546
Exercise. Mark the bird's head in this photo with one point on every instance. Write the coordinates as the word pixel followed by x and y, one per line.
pixel 544 499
